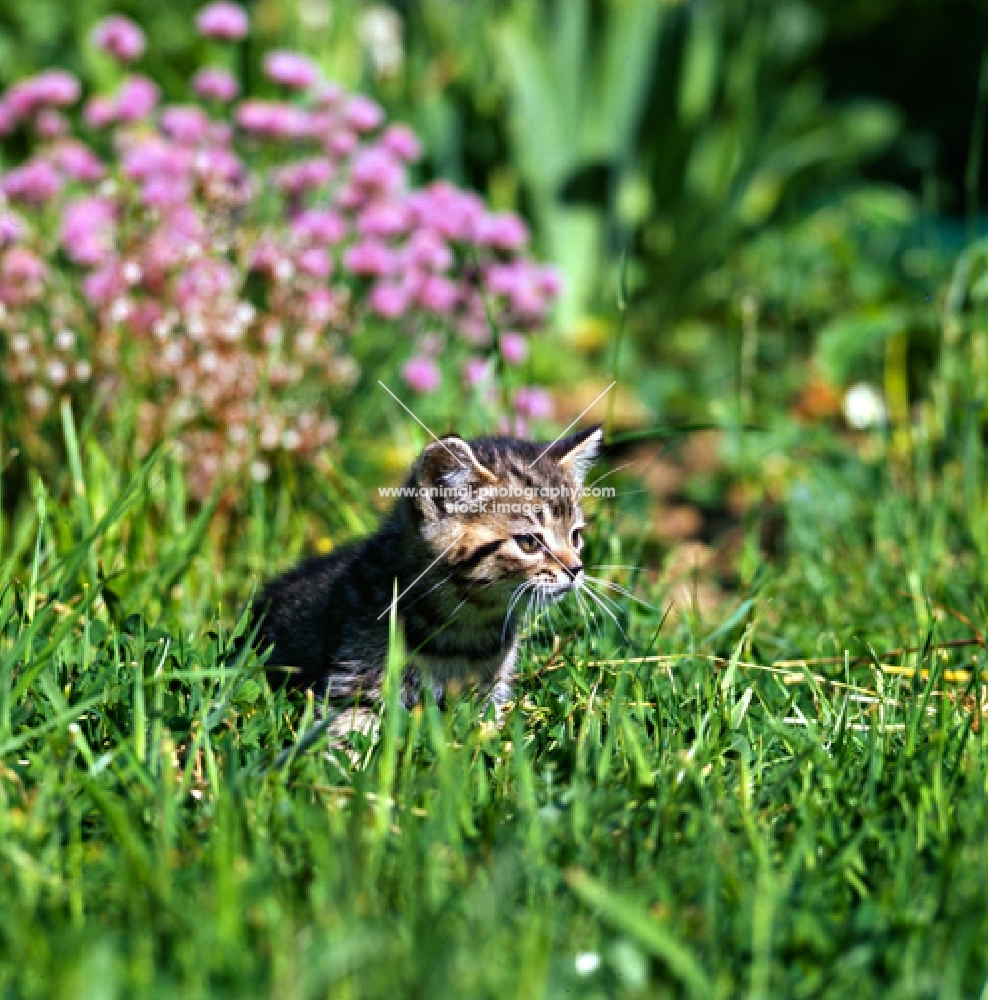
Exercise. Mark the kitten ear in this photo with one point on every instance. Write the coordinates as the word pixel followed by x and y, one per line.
pixel 451 463
pixel 579 451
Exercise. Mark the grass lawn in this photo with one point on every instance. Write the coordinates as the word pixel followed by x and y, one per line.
pixel 670 815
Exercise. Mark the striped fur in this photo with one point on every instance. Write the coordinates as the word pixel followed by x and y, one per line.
pixel 326 621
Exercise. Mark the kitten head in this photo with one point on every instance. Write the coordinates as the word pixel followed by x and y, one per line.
pixel 501 512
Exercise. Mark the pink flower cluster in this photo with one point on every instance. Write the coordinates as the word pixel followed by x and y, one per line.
pixel 220 258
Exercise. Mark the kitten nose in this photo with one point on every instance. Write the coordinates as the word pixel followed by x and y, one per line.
pixel 574 569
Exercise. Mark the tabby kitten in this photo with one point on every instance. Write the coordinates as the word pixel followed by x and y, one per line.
pixel 480 527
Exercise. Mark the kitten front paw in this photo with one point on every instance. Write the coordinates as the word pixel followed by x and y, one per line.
pixel 353 732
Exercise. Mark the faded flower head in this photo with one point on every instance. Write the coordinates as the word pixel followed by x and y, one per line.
pixel 380 32
pixel 864 407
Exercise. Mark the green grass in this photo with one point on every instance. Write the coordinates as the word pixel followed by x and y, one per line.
pixel 706 827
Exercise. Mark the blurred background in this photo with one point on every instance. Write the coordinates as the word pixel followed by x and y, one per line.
pixel 766 213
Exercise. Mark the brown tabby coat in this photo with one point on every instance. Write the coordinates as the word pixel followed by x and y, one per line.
pixel 463 574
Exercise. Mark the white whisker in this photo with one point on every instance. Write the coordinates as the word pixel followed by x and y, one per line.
pixel 516 595
pixel 611 585
pixel 611 472
pixel 590 615
pixel 596 597
pixel 611 603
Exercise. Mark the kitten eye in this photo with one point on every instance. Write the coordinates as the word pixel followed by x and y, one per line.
pixel 527 543
pixel 576 538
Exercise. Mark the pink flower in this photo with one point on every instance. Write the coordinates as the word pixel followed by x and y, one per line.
pixel 437 294
pixel 321 306
pixel 514 348
pixel 218 165
pixel 411 280
pixel 362 114
pixel 527 300
pixel 474 327
pixel 100 112
pixel 104 286
pixel 156 157
pixel 120 37
pixel 12 228
pixel 220 133
pixel 227 21
pixel 269 258
pixel 319 225
pixel 204 282
pixel 305 175
pixel 315 261
pixel 20 100
pixel 516 428
pixel 327 94
pixel 77 161
pixel 186 124
pixel 403 142
pixel 351 198
pixel 273 119
pixel 55 88
pixel 184 224
pixel 88 230
pixel 22 276
pixel 503 279
pixel 432 343
pixel 550 282
pixel 170 246
pixel 290 69
pixel 340 143
pixel 389 300
pixel 369 257
pixel 476 371
pixel 52 88
pixel 502 231
pixel 35 182
pixel 214 84
pixel 534 403
pixel 136 99
pixel 88 212
pixel 8 119
pixel 144 317
pixel 377 169
pixel 453 213
pixel 383 219
pixel 426 249
pixel 51 124
pixel 166 192
pixel 422 374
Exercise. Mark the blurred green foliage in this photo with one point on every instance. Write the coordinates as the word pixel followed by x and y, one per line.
pixel 671 131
